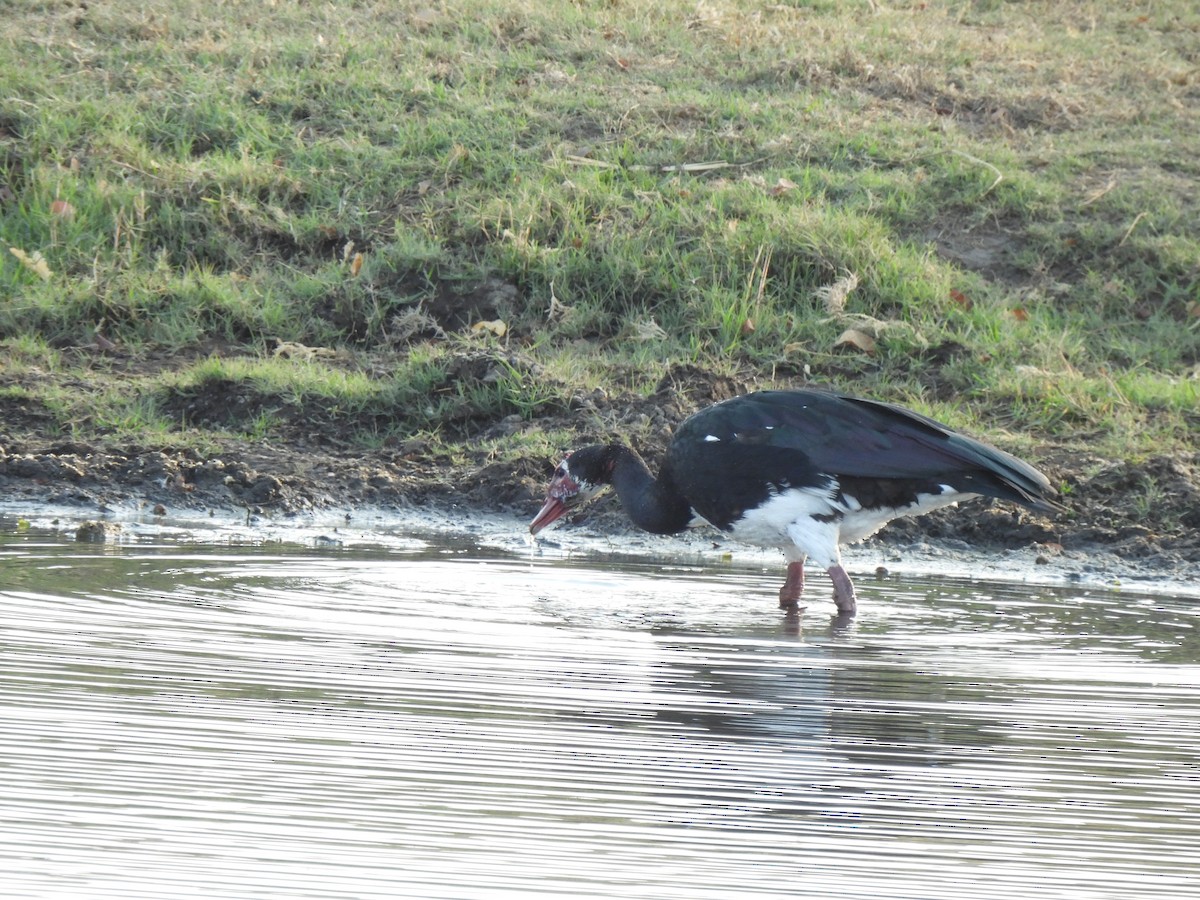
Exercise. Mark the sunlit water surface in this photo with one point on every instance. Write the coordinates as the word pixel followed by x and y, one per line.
pixel 439 720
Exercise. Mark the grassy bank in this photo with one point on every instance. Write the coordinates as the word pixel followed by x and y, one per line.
pixel 406 221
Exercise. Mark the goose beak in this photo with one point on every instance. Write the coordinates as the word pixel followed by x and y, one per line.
pixel 564 493
pixel 550 512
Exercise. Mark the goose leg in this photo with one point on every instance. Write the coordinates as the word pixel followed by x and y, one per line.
pixel 843 591
pixel 789 594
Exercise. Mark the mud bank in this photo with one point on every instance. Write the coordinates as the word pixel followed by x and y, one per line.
pixel 1123 520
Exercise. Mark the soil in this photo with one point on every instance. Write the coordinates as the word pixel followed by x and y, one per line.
pixel 1140 517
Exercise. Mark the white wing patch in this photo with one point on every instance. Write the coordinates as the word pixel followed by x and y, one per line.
pixel 768 525
pixel 861 523
pixel 813 521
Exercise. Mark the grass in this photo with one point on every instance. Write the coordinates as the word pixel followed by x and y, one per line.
pixel 1013 186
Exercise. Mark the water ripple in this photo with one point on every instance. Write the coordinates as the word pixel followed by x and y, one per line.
pixel 262 723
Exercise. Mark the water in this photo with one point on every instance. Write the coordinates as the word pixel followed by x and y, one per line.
pixel 440 720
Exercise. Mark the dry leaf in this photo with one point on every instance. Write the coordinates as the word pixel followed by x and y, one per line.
pixel 1193 309
pixel 33 262
pixel 782 186
pixel 859 340
pixel 62 209
pixel 748 326
pixel 961 299
pixel 1018 313
pixel 356 265
pixel 494 326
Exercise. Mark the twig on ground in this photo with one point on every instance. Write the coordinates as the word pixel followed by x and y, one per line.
pixel 687 168
pixel 984 163
pixel 1129 230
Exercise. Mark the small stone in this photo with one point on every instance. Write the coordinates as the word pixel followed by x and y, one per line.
pixel 92 531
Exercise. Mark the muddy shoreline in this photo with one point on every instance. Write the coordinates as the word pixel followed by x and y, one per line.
pixel 1128 517
pixel 250 492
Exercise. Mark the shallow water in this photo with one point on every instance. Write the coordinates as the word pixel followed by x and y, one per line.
pixel 442 720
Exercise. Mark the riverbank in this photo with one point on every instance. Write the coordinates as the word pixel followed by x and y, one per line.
pixel 1123 522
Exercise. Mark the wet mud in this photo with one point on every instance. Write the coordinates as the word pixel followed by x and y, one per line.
pixel 1140 517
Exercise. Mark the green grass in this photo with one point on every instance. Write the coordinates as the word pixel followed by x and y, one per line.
pixel 1012 185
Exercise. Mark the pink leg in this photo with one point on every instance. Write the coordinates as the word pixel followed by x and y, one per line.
pixel 789 594
pixel 843 591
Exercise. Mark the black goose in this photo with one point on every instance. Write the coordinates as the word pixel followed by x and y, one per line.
pixel 804 471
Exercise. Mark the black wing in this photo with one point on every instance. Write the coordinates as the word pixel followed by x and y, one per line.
pixel 796 436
